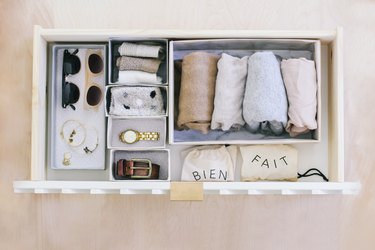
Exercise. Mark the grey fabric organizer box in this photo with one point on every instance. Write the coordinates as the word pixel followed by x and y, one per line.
pixel 239 48
pixel 116 126
pixel 116 42
pixel 136 101
pixel 160 157
pixel 62 155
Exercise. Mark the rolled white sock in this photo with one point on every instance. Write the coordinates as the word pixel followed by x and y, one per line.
pixel 135 77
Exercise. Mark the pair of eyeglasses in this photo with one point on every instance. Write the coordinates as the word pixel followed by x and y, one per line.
pixel 71 66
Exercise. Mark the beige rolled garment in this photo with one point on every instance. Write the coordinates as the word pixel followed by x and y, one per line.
pixel 196 102
pixel 300 82
pixel 136 63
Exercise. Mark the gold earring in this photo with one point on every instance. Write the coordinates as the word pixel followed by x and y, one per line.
pixel 66 160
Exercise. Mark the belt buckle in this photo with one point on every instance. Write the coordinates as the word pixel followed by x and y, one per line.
pixel 149 168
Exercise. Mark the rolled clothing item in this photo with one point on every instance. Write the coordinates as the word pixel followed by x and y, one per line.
pixel 141 50
pixel 301 87
pixel 229 92
pixel 196 102
pixel 265 104
pixel 177 71
pixel 135 77
pixel 136 63
pixel 136 101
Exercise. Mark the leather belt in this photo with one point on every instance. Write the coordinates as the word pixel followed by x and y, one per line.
pixel 139 169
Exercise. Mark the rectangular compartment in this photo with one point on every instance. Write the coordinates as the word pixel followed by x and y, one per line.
pixel 284 48
pixel 116 126
pixel 115 43
pixel 85 147
pixel 164 92
pixel 160 157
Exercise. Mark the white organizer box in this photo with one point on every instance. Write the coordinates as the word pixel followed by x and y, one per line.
pixel 328 154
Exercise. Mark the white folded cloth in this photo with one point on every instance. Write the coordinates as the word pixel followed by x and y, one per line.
pixel 136 101
pixel 265 104
pixel 229 92
pixel 141 50
pixel 135 77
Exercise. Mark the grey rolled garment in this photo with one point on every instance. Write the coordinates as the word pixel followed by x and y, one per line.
pixel 265 104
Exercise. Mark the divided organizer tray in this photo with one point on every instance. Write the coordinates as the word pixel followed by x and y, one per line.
pixel 84 118
pixel 324 149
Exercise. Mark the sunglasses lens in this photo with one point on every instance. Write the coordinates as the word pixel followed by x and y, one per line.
pixel 94 95
pixel 74 93
pixel 70 94
pixel 95 63
pixel 72 64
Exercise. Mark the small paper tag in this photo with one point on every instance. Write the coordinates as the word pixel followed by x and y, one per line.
pixel 186 191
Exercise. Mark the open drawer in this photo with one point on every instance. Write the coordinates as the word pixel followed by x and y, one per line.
pixel 327 152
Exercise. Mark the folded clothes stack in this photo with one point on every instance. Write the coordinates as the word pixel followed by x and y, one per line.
pixel 139 63
pixel 255 91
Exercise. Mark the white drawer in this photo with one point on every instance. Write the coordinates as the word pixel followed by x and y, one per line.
pixel 327 154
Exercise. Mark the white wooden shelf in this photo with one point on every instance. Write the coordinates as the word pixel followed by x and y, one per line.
pixel 163 188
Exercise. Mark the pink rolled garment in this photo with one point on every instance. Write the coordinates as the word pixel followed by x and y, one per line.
pixel 301 87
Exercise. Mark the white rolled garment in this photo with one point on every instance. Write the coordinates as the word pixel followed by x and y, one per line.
pixel 141 50
pixel 265 104
pixel 229 92
pixel 135 77
pixel 300 82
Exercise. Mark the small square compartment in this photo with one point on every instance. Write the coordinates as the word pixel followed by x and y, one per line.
pixel 116 126
pixel 115 43
pixel 160 157
pixel 285 48
pixel 164 92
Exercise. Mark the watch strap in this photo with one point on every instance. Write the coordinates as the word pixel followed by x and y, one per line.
pixel 148 136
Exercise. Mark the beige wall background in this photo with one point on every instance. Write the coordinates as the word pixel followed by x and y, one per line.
pixel 30 221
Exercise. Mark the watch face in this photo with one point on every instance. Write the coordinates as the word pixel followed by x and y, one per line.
pixel 130 136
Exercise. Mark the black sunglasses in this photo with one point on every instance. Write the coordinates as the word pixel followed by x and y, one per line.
pixel 70 91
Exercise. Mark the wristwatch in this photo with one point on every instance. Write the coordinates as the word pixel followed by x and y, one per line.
pixel 140 169
pixel 131 136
